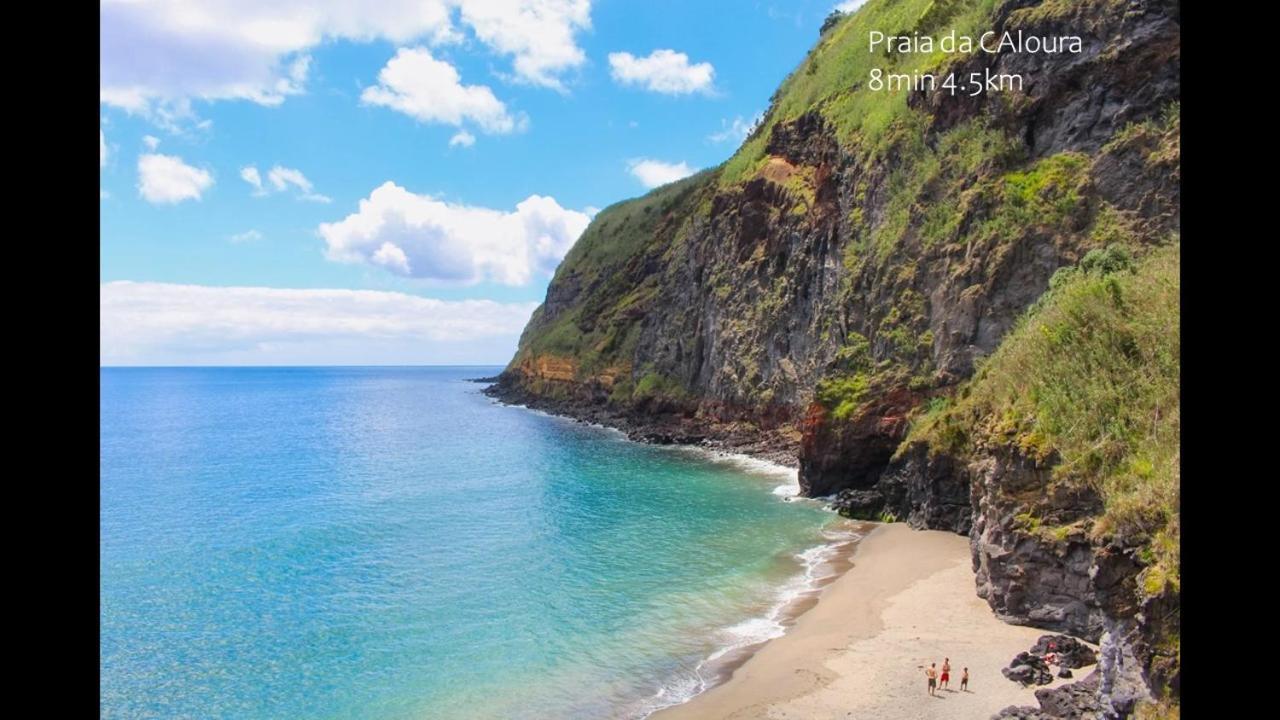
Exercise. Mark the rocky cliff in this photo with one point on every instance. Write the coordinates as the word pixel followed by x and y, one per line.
pixel 826 295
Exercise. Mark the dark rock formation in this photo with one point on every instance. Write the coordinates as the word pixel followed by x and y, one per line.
pixel 1068 651
pixel 1076 701
pixel 1028 669
pixel 1030 579
pixel 928 490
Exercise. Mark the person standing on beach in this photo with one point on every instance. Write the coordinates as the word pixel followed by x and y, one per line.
pixel 946 673
pixel 931 673
pixel 964 681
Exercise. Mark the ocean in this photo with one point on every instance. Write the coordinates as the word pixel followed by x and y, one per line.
pixel 390 543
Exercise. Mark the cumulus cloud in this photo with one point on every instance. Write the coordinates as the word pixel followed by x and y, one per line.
pixel 159 323
pixel 158 55
pixel 151 141
pixel 430 90
pixel 737 130
pixel 653 173
pixel 422 237
pixel 663 71
pixel 167 179
pixel 463 138
pixel 538 34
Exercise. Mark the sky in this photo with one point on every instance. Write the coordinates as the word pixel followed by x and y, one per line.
pixel 323 182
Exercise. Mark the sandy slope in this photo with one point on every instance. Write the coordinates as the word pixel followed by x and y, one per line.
pixel 861 651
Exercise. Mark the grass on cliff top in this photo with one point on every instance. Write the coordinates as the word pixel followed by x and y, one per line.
pixel 835 74
pixel 624 228
pixel 1091 376
pixel 588 330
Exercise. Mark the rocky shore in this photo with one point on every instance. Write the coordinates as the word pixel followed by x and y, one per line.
pixel 779 445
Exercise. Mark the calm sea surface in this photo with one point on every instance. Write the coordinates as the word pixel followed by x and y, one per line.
pixel 390 543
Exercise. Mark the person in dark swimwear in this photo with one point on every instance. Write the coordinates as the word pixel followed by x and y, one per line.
pixel 946 673
pixel 964 681
pixel 932 673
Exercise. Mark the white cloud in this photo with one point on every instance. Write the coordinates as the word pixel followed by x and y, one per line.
pixel 431 90
pixel 736 131
pixel 538 33
pixel 151 141
pixel 282 178
pixel 163 324
pixel 663 71
pixel 167 179
pixel 158 55
pixel 655 172
pixel 850 5
pixel 463 138
pixel 171 51
pixel 246 236
pixel 421 237
pixel 251 175
pixel 102 148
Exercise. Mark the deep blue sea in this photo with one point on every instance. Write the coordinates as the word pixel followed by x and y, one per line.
pixel 390 543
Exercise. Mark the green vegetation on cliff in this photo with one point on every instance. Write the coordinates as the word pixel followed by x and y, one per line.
pixel 833 77
pixel 599 329
pixel 1088 381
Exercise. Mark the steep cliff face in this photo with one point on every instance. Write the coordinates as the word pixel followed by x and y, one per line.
pixel 842 276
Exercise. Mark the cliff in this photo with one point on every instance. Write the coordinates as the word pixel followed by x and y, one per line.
pixel 826 296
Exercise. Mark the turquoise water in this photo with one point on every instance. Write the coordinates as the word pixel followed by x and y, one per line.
pixel 390 543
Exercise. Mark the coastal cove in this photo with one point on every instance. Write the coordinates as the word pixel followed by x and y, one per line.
pixel 355 561
pixel 853 644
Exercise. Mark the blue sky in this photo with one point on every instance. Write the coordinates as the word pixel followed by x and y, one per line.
pixel 313 183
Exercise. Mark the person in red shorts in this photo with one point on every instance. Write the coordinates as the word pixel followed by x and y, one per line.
pixel 946 673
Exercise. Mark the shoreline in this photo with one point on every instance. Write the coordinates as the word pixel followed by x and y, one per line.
pixel 860 649
pixel 778 445
pixel 831 559
pixel 838 649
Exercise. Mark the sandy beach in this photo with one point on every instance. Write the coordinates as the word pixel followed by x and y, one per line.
pixel 860 652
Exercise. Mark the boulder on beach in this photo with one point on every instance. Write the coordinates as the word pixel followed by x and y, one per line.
pixel 1028 669
pixel 1070 652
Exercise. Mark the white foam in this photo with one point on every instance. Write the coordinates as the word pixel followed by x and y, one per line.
pixel 816 568
pixel 788 490
pixel 744 463
pixel 677 691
